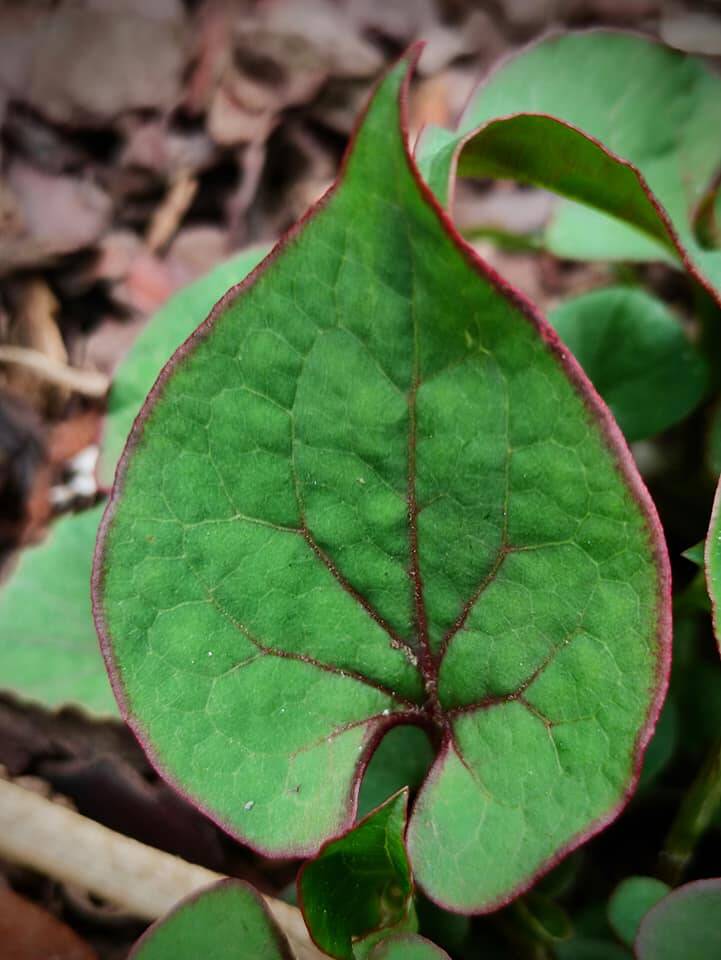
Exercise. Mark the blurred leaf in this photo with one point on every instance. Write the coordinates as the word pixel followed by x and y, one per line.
pixel 637 356
pixel 48 646
pixel 631 901
pixel 685 925
pixel 359 882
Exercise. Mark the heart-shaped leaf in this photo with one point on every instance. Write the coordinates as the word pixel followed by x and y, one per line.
pixel 684 924
pixel 408 947
pixel 631 901
pixel 637 356
pixel 372 489
pixel 713 563
pixel 593 100
pixel 227 921
pixel 360 882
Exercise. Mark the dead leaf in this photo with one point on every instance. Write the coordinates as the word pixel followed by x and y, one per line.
pixel 85 64
pixel 27 932
pixel 53 215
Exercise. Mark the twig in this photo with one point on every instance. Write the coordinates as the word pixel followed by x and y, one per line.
pixel 89 383
pixel 45 836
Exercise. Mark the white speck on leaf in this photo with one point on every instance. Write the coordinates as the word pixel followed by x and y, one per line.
pixel 249 805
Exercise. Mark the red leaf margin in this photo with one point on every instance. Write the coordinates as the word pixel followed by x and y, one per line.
pixel 598 412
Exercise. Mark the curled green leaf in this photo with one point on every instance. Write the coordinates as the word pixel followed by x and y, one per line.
pixel 360 882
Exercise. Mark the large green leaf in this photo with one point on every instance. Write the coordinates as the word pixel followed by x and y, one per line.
pixel 594 101
pixel 685 924
pixel 713 563
pixel 373 488
pixel 164 333
pixel 637 356
pixel 360 882
pixel 228 921
pixel 48 645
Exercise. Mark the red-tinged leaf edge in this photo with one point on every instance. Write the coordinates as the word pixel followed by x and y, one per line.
pixel 598 412
pixel 283 947
pixel 341 836
pixel 680 893
pixel 672 239
pixel 713 524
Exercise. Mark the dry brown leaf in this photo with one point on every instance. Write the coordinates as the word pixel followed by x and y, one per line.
pixel 53 215
pixel 84 66
pixel 27 932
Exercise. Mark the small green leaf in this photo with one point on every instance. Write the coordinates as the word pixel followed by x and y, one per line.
pixel 685 924
pixel 374 489
pixel 637 356
pixel 228 921
pixel 163 334
pixel 48 645
pixel 408 947
pixel 631 901
pixel 713 563
pixel 360 882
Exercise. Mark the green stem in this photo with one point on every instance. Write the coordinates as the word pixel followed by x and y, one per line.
pixel 693 818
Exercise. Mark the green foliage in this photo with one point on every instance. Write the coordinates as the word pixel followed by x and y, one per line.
pixel 631 901
pixel 360 882
pixel 408 947
pixel 48 645
pixel 228 921
pixel 683 924
pixel 374 490
pixel 637 356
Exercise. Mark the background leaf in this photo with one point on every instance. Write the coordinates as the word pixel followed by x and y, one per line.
pixel 360 882
pixel 228 921
pixel 683 924
pixel 48 645
pixel 631 901
pixel 637 356
pixel 374 491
